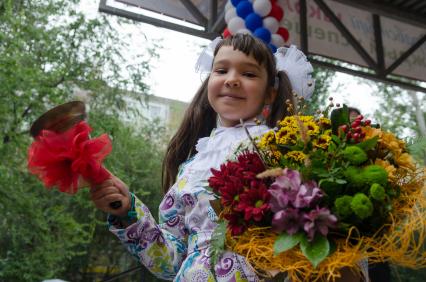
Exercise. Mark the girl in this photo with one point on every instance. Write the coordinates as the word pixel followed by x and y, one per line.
pixel 242 83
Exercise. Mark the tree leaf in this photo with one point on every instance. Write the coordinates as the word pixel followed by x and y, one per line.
pixel 285 242
pixel 315 251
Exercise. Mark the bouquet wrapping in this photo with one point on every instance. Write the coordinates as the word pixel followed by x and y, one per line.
pixel 315 195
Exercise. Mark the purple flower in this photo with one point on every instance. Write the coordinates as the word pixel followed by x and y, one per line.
pixel 319 220
pixel 284 190
pixel 289 220
pixel 308 194
pixel 290 179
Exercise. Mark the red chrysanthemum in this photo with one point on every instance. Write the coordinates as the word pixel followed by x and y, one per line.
pixel 236 224
pixel 254 203
pixel 241 190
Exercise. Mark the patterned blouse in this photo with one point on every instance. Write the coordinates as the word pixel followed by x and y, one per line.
pixel 177 248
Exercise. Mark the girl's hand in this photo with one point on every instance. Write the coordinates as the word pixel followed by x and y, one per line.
pixel 109 191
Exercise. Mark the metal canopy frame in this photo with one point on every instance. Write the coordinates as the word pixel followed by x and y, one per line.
pixel 412 12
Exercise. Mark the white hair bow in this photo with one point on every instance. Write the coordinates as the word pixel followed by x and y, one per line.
pixel 298 69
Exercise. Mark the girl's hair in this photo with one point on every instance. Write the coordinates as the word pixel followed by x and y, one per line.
pixel 200 118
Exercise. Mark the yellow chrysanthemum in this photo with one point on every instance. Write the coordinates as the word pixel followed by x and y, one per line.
pixel 390 169
pixel 324 122
pixel 312 127
pixel 392 143
pixel 371 132
pixel 306 118
pixel 276 157
pixel 267 139
pixel 297 156
pixel 289 121
pixel 322 142
pixel 286 135
pixel 406 161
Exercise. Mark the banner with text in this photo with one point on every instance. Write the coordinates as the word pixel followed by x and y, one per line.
pixel 325 40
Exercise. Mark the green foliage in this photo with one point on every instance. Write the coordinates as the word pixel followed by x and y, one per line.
pixel 323 79
pixel 417 148
pixel 217 242
pixel 316 250
pixel 285 242
pixel 397 110
pixel 48 53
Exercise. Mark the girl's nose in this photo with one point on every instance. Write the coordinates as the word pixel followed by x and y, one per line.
pixel 232 82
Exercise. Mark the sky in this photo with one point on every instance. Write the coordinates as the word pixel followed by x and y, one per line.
pixel 173 73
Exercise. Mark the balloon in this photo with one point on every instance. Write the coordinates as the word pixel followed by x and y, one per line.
pixel 277 40
pixel 271 24
pixel 228 5
pixel 276 12
pixel 253 21
pixel 263 34
pixel 283 32
pixel 262 7
pixel 235 2
pixel 244 8
pixel 226 33
pixel 273 48
pixel 230 14
pixel 236 24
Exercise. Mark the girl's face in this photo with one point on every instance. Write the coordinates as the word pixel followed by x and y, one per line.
pixel 237 87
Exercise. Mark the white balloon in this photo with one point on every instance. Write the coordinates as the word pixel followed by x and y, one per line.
pixel 235 24
pixel 228 5
pixel 244 30
pixel 277 40
pixel 271 24
pixel 262 7
pixel 231 13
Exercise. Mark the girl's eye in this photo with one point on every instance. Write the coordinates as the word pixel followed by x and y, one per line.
pixel 220 71
pixel 249 74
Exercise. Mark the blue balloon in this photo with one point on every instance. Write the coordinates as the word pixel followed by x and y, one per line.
pixel 253 21
pixel 244 8
pixel 235 2
pixel 272 47
pixel 263 34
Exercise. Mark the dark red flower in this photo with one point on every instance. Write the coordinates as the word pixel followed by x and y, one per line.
pixel 236 224
pixel 254 203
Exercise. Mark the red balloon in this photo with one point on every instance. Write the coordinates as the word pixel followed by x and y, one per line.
pixel 226 33
pixel 283 32
pixel 276 12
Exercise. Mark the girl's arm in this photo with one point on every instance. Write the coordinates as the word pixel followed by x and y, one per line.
pixel 160 247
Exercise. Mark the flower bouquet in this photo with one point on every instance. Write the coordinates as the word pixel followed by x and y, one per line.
pixel 316 195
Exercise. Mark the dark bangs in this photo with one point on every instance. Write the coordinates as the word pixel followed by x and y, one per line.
pixel 252 46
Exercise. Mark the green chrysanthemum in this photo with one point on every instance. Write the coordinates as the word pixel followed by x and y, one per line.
pixel 377 192
pixel 355 155
pixel 343 205
pixel 375 174
pixel 362 206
